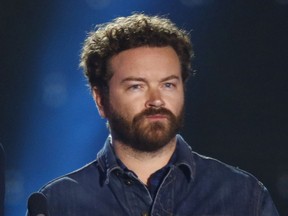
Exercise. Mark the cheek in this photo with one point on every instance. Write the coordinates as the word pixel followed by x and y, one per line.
pixel 179 106
pixel 175 103
pixel 126 107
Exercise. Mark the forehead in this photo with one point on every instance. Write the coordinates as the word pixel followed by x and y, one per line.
pixel 146 62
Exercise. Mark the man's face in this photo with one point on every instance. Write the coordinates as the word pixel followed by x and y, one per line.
pixel 146 97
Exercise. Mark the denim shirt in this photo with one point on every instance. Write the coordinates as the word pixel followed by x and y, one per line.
pixel 193 186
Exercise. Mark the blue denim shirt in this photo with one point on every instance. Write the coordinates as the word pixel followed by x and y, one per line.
pixel 194 186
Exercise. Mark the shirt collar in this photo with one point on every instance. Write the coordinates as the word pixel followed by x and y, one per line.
pixel 107 159
pixel 183 158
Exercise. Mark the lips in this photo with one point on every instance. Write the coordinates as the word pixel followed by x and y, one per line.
pixel 156 116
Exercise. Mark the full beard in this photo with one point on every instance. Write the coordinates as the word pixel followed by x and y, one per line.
pixel 141 135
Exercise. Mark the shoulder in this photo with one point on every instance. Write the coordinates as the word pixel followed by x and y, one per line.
pixel 75 191
pixel 231 183
pixel 210 171
pixel 73 181
pixel 224 174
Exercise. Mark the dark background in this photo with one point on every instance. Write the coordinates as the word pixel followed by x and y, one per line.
pixel 236 104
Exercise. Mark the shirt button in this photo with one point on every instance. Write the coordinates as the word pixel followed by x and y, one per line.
pixel 144 214
pixel 128 182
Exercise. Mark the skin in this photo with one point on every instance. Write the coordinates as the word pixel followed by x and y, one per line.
pixel 144 77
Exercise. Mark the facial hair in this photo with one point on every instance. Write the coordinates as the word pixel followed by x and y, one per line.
pixel 141 135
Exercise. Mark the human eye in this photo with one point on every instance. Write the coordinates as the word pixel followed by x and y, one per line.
pixel 134 87
pixel 169 85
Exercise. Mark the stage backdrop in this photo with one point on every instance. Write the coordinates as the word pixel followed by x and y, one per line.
pixel 236 104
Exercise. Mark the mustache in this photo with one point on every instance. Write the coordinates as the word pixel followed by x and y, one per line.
pixel 153 111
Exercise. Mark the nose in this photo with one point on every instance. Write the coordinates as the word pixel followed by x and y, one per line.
pixel 154 99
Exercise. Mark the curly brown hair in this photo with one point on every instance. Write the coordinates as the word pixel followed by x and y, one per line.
pixel 130 32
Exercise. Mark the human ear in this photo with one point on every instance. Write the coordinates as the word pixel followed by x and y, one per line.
pixel 98 101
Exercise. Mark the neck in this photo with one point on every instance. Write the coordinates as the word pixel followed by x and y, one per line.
pixel 144 164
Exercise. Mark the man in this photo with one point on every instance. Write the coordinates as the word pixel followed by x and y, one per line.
pixel 137 67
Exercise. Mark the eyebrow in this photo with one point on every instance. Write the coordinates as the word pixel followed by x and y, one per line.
pixel 170 78
pixel 127 79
